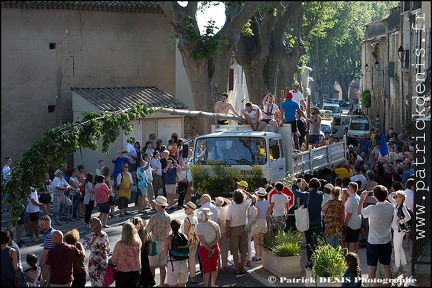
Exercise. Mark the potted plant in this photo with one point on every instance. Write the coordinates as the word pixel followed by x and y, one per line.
pixel 281 253
pixel 328 264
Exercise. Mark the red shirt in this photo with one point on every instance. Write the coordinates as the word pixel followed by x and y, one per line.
pixel 60 259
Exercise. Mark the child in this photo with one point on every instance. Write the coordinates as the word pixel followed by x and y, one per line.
pixel 89 197
pixel 352 275
pixel 33 274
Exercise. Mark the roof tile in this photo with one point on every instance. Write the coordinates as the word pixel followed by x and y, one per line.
pixel 122 98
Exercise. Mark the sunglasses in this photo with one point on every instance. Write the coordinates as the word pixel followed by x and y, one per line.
pixel 135 221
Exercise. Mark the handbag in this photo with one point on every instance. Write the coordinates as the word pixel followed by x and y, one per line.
pixel 302 216
pixel 21 279
pixel 151 246
pixel 109 275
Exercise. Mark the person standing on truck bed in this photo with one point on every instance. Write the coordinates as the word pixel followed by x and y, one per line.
pixel 223 107
pixel 288 110
pixel 298 96
pixel 253 114
pixel 314 126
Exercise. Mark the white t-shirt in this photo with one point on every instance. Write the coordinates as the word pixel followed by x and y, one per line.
pixel 360 177
pixel 237 213
pixel 131 149
pixel 253 113
pixel 193 220
pixel 297 97
pixel 149 171
pixel 269 111
pixel 351 206
pixel 32 208
pixel 280 201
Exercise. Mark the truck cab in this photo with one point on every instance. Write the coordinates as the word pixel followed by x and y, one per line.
pixel 239 147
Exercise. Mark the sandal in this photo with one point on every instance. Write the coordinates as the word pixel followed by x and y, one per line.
pixel 243 271
pixel 223 269
pixel 235 271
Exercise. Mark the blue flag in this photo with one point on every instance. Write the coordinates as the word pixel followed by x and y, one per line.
pixel 383 145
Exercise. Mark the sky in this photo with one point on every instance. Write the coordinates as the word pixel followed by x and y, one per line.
pixel 217 13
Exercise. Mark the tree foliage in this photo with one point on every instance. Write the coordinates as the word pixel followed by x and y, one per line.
pixel 51 149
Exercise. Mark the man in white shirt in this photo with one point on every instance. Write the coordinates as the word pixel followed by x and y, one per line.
pixel 359 176
pixel 253 114
pixel 156 165
pixel 131 150
pixel 60 188
pixel 236 217
pixel 298 96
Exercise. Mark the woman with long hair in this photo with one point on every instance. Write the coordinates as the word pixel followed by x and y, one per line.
pixel 146 278
pixel 106 171
pixel 127 257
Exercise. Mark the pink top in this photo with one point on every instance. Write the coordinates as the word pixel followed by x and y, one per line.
pixel 129 258
pixel 101 192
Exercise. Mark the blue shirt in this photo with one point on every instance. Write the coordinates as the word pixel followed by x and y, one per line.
pixel 117 165
pixel 290 107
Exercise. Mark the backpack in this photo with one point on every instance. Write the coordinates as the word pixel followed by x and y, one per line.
pixel 192 233
pixel 406 227
pixel 179 249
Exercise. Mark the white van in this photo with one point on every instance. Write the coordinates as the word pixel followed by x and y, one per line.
pixel 357 126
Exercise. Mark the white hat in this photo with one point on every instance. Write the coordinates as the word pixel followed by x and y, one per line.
pixel 296 83
pixel 261 192
pixel 57 172
pixel 160 200
pixel 351 146
pixel 219 201
pixel 329 186
pixel 206 211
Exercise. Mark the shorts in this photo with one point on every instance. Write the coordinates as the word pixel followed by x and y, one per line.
pixel 171 188
pixel 158 259
pixel 104 207
pixel 351 235
pixel 209 264
pixel 238 239
pixel 177 272
pixel 141 191
pixel 266 120
pixel 313 139
pixel 58 200
pixel 45 198
pixel 21 218
pixel 34 216
pixel 277 222
pixel 293 126
pixel 260 226
pixel 378 252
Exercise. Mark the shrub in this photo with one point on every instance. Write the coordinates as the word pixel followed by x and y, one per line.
pixel 283 244
pixel 328 261
pixel 219 179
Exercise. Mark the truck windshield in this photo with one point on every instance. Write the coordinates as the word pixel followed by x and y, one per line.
pixel 231 150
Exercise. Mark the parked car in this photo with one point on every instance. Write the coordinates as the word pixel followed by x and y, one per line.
pixel 357 126
pixel 335 108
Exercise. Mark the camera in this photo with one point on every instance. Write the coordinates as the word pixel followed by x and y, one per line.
pixel 370 193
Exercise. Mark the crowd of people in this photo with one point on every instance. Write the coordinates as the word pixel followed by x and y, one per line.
pixel 354 206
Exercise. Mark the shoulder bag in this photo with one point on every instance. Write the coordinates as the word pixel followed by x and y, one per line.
pixel 109 275
pixel 302 216
pixel 151 246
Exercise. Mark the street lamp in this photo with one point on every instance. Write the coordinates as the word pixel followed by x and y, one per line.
pixel 401 53
pixel 377 66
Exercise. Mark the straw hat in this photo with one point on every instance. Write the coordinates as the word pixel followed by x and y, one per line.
pixel 261 192
pixel 160 200
pixel 206 211
pixel 57 172
pixel 190 205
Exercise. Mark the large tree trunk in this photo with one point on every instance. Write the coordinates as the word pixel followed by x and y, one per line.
pixel 208 77
pixel 260 55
